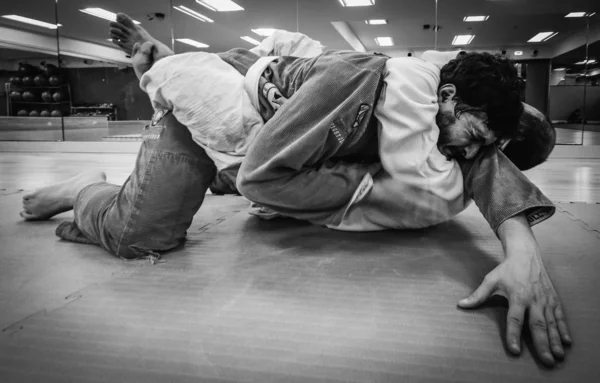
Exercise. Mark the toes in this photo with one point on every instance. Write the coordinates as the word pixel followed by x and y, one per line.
pixel 125 20
pixel 118 34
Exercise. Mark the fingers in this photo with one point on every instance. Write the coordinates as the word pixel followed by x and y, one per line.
pixel 480 295
pixel 514 326
pixel 553 334
pixel 539 333
pixel 125 20
pixel 561 323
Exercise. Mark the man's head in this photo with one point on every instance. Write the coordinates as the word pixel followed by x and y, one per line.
pixel 535 141
pixel 480 102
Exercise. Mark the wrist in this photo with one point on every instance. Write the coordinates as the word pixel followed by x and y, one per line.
pixel 517 238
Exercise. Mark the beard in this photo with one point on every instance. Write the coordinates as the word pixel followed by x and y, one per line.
pixel 445 121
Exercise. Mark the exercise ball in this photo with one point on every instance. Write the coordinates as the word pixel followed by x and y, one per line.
pixel 23 113
pixel 50 70
pixel 16 96
pixel 47 96
pixel 45 113
pixel 57 96
pixel 15 81
pixel 34 113
pixel 28 81
pixel 28 96
pixel 26 69
pixel 56 113
pixel 40 80
pixel 54 80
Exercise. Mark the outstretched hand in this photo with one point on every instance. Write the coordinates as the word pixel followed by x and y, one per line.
pixel 523 280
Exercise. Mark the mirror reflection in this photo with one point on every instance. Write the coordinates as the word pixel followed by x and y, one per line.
pixel 95 93
pixel 34 97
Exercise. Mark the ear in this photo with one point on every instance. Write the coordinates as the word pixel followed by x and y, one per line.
pixel 446 92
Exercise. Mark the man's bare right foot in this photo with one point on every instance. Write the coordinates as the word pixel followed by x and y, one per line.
pixel 46 202
pixel 125 33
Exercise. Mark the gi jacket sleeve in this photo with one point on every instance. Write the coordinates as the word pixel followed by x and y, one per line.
pixel 500 190
pixel 289 167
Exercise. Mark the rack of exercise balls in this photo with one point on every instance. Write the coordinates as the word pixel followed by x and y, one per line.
pixel 38 92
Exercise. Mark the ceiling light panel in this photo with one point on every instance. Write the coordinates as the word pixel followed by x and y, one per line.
pixel 220 5
pixel 103 14
pixel 590 61
pixel 384 41
pixel 193 43
pixel 376 22
pixel 472 19
pixel 194 14
pixel 542 36
pixel 35 22
pixel 250 40
pixel 263 31
pixel 357 3
pixel 462 39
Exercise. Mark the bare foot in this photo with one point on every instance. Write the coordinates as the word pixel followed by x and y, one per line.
pixel 46 202
pixel 125 33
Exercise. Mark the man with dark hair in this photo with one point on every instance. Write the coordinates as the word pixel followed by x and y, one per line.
pixel 340 148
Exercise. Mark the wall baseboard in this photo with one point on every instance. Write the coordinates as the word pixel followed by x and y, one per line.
pixel 560 151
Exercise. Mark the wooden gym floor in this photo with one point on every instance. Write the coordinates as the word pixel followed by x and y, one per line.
pixel 281 301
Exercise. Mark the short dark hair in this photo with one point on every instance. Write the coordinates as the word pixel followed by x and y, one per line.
pixel 489 82
pixel 535 142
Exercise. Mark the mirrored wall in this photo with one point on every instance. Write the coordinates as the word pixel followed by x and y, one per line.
pixel 65 80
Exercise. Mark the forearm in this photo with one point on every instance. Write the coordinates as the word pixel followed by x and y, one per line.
pixel 517 238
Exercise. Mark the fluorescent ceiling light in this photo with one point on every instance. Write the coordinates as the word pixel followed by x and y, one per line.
pixel 250 40
pixel 263 31
pixel 475 18
pixel 384 41
pixel 220 5
pixel 376 22
pixel 194 14
pixel 35 22
pixel 590 61
pixel 580 14
pixel 518 53
pixel 559 69
pixel 103 14
pixel 193 43
pixel 542 36
pixel 357 3
pixel 462 39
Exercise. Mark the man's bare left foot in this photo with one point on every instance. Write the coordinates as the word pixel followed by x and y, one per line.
pixel 125 33
pixel 46 202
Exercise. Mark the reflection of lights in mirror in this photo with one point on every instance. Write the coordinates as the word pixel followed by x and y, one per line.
pixel 265 32
pixel 192 13
pixel 35 22
pixel 250 40
pixel 220 5
pixel 357 3
pixel 384 41
pixel 193 43
pixel 103 14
